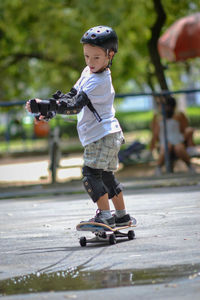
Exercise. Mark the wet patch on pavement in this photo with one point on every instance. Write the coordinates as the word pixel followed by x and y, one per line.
pixel 78 279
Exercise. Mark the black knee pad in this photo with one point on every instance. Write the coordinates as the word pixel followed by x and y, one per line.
pixel 113 186
pixel 93 183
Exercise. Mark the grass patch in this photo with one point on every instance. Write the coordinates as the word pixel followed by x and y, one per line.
pixel 134 120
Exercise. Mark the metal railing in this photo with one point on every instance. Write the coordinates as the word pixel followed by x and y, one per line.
pixel 153 94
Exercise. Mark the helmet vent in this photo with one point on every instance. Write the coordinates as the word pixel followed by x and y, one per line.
pixel 93 36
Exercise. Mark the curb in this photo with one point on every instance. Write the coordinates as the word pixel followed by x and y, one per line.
pixel 75 187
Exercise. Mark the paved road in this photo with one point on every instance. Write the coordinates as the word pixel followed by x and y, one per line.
pixel 38 239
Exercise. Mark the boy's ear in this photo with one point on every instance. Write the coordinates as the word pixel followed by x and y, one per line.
pixel 111 54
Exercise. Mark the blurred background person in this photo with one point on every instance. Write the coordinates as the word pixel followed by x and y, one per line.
pixel 179 135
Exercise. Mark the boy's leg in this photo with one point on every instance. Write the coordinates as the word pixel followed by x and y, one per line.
pixel 121 217
pixel 99 184
pixel 118 202
pixel 96 189
pixel 103 203
pixel 104 209
pixel 115 193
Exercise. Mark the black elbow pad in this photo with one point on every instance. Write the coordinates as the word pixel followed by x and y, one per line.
pixel 82 99
pixel 66 108
pixel 74 105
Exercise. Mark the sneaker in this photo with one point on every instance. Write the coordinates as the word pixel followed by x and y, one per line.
pixel 123 221
pixel 99 219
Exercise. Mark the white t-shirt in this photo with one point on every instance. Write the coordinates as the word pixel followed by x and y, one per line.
pixel 99 89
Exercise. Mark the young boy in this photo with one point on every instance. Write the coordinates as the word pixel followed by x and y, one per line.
pixel 99 131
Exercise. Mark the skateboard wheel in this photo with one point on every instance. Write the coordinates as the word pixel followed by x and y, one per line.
pixel 83 241
pixel 112 239
pixel 131 235
pixel 104 235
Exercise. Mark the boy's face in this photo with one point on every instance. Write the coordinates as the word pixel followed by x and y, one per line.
pixel 95 58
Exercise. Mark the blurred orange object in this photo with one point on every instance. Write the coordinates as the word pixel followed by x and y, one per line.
pixel 181 40
pixel 41 128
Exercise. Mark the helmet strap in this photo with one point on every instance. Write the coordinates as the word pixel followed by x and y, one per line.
pixel 110 59
pixel 109 63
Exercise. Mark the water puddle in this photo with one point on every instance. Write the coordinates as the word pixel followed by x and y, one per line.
pixel 77 279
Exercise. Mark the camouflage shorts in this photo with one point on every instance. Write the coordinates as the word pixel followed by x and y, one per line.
pixel 103 154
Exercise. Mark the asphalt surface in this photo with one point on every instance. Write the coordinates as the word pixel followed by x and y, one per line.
pixel 38 237
pixel 40 255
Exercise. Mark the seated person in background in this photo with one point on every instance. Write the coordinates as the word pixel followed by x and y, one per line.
pixel 179 135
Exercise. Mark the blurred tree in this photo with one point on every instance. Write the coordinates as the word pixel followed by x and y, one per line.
pixel 38 42
pixel 41 51
pixel 152 44
pixel 185 8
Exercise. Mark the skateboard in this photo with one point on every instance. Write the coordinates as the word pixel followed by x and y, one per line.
pixel 104 233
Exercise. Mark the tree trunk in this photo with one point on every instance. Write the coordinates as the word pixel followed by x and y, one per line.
pixel 159 70
pixel 152 44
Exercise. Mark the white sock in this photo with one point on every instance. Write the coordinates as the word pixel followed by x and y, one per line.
pixel 120 213
pixel 106 214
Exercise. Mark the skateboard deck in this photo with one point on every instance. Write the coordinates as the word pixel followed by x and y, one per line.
pixel 105 233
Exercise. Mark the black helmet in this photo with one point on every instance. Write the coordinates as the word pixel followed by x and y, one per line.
pixel 101 36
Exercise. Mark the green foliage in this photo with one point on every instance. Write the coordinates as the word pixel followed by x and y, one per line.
pixel 193 114
pixel 67 126
pixel 41 51
pixel 131 121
